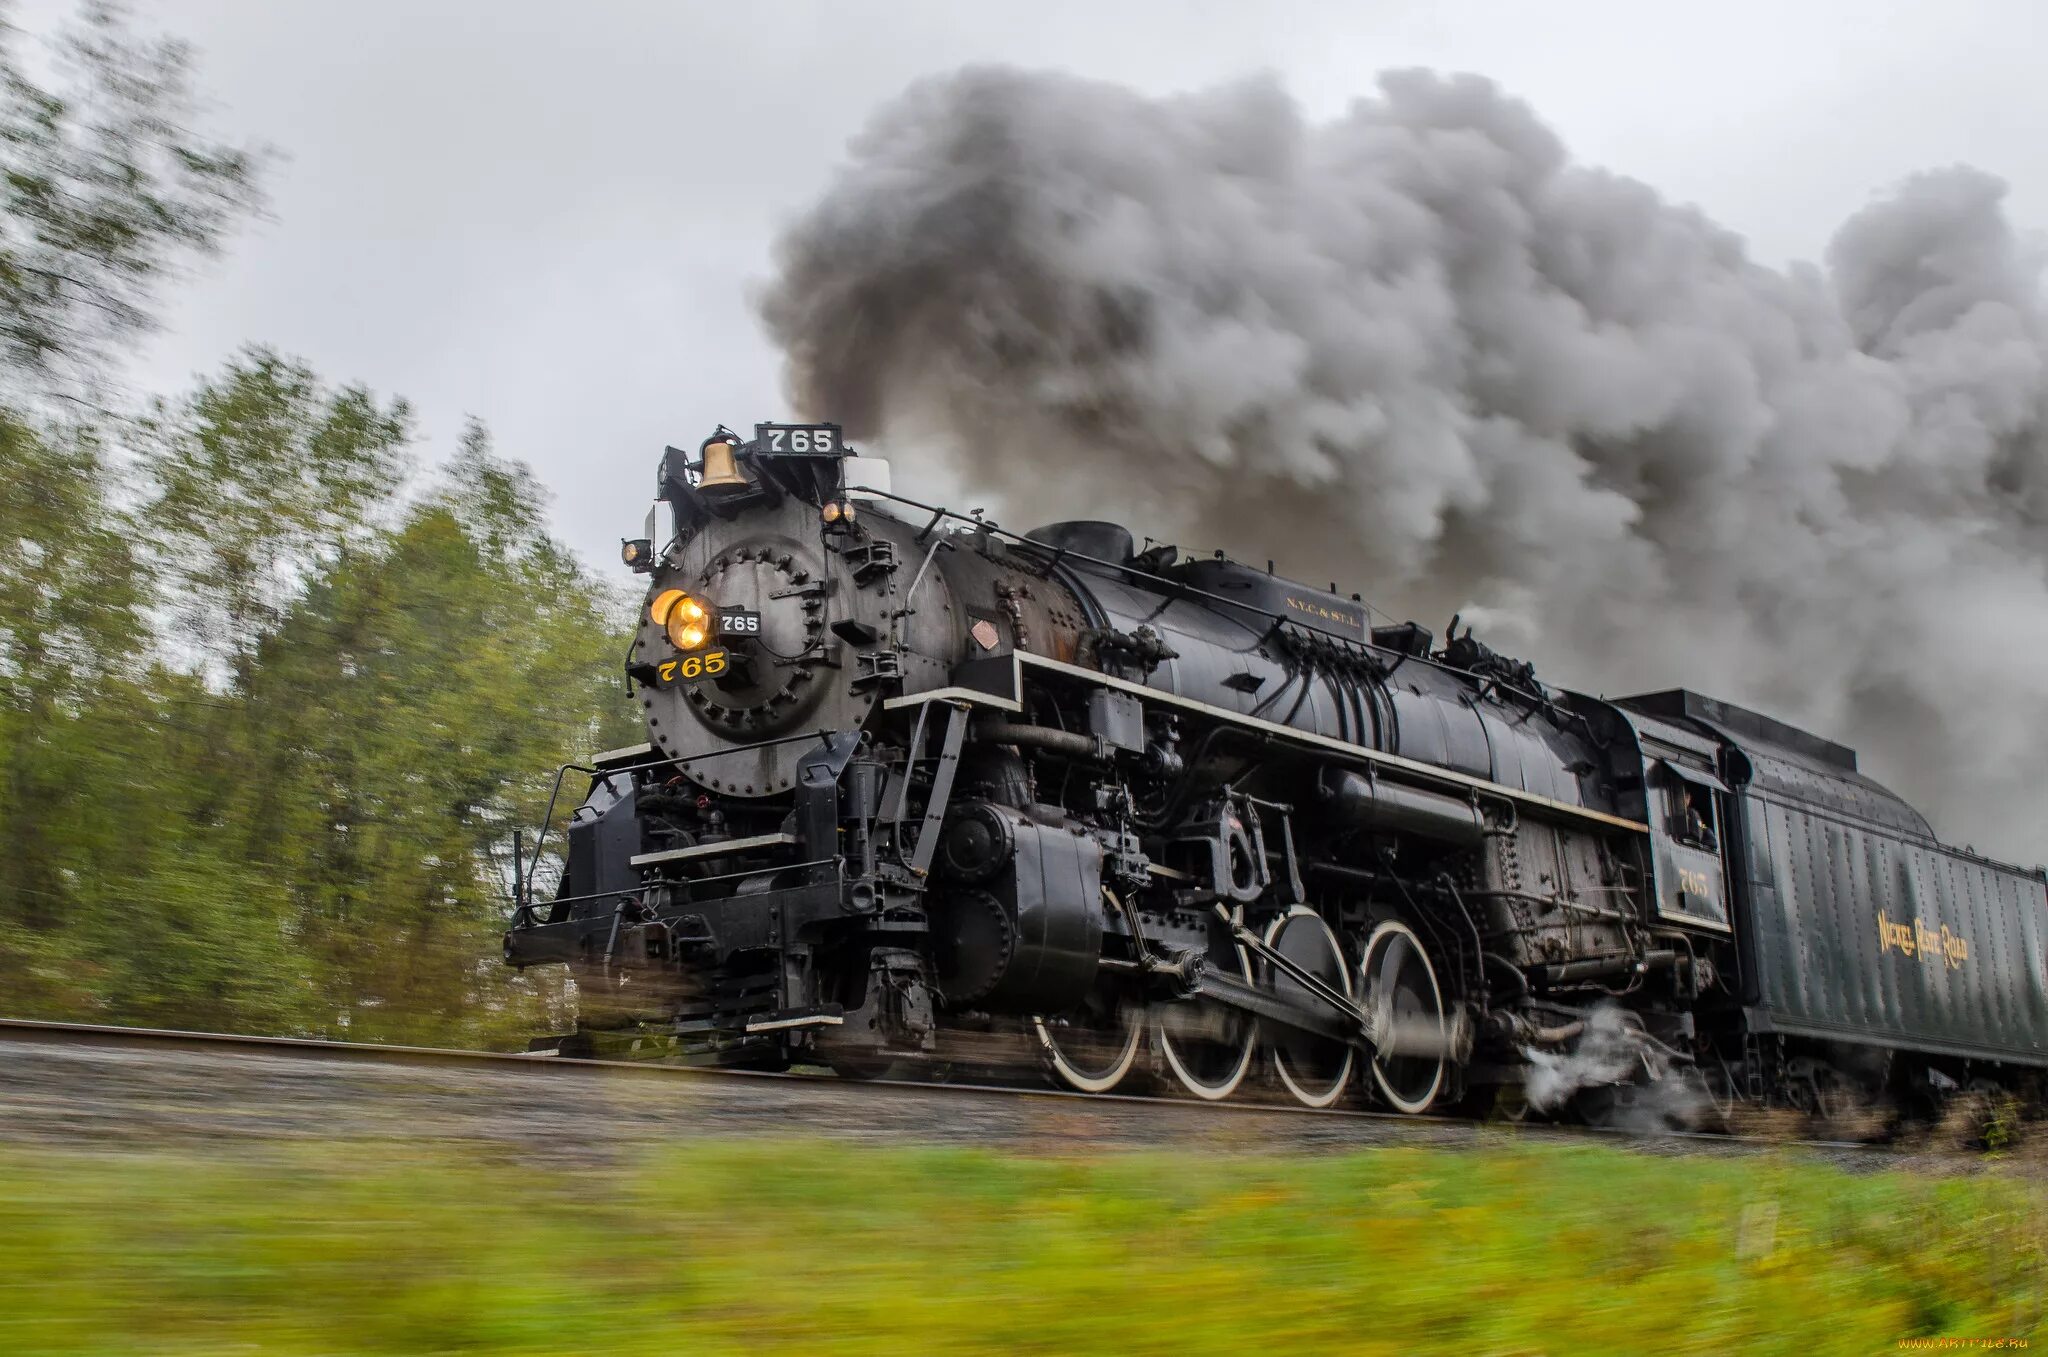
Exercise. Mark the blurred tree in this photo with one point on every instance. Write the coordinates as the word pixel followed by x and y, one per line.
pixel 68 618
pixel 165 921
pixel 402 716
pixel 104 188
pixel 262 476
pixel 105 889
pixel 266 723
pixel 292 808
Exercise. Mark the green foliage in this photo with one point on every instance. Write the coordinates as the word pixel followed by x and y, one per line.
pixel 266 720
pixel 2004 1123
pixel 103 189
pixel 67 599
pixel 821 1249
pixel 261 477
pixel 262 773
pixel 403 717
pixel 66 592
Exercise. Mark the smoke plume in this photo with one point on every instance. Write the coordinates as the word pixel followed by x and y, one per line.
pixel 1422 353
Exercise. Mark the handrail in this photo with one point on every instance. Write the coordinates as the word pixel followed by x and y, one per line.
pixel 555 792
pixel 523 916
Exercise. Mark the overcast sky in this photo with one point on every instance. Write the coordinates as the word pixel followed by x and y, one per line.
pixel 554 215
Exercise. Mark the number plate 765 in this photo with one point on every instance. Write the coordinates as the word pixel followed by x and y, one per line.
pixel 692 668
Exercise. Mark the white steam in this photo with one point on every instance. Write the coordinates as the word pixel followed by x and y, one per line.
pixel 1611 1052
pixel 1605 1053
pixel 1420 352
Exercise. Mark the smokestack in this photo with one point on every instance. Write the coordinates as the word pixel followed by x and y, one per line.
pixel 1421 347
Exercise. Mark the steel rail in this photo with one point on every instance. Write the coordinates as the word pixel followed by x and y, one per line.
pixel 31 1030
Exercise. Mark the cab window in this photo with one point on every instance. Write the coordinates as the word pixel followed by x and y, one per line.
pixel 1689 816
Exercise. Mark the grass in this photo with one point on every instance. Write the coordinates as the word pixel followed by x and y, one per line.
pixel 820 1249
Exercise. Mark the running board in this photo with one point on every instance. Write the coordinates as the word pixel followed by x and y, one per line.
pixel 734 1024
pixel 825 1015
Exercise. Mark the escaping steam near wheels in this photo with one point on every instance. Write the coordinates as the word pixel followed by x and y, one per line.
pixel 1446 366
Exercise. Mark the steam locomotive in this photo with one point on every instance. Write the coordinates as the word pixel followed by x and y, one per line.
pixel 916 788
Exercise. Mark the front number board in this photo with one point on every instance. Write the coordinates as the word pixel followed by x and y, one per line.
pixel 688 669
pixel 799 440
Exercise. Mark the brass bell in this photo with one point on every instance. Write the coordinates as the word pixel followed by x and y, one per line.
pixel 721 471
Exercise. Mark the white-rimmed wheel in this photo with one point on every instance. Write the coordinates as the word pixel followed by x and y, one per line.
pixel 1314 1069
pixel 1397 989
pixel 1091 1050
pixel 1208 1045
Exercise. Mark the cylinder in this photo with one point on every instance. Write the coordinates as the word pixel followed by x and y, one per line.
pixel 1027 936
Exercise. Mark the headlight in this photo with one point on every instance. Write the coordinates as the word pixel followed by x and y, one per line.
pixel 683 617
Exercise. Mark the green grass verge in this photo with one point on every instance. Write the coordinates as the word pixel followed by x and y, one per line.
pixel 815 1248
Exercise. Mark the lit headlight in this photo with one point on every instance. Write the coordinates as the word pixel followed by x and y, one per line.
pixel 683 617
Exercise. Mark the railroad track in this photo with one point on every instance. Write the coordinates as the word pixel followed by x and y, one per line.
pixel 1371 1126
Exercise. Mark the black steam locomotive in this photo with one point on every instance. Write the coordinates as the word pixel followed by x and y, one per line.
pixel 916 788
